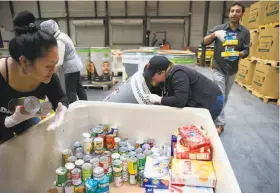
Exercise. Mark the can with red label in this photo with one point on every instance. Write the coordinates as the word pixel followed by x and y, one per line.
pixel 104 163
pixel 76 176
pixel 109 155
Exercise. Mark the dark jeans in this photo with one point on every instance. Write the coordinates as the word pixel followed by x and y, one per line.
pixel 74 87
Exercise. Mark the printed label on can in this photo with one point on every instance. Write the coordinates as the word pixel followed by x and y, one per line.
pixel 76 176
pixel 132 165
pixel 79 189
pixel 61 176
pixel 132 179
pixel 118 181
pixel 98 143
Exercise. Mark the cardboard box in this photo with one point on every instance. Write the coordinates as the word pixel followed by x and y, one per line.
pixel 266 80
pixel 271 13
pixel 254 37
pixel 193 173
pixel 245 17
pixel 268 44
pixel 181 189
pixel 246 69
pixel 256 15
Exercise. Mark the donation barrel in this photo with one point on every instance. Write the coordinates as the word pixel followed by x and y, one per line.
pixel 179 57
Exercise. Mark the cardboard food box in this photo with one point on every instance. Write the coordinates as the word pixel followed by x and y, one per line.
pixel 245 17
pixel 246 69
pixel 254 37
pixel 271 13
pixel 181 189
pixel 256 14
pixel 193 173
pixel 268 44
pixel 266 80
pixel 156 173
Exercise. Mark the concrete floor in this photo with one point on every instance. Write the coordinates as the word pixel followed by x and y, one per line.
pixel 251 138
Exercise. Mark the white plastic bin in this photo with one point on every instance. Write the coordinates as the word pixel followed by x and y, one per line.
pixel 28 162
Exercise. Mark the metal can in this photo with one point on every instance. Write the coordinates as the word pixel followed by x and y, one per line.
pixel 98 130
pixel 79 150
pixel 87 158
pixel 110 142
pixel 87 145
pixel 115 150
pixel 76 176
pixel 118 181
pixel 61 176
pixel 72 159
pixel 86 171
pixel 130 148
pixel 139 150
pixel 132 165
pixel 79 188
pixel 104 163
pixel 117 167
pixel 139 143
pixel 117 141
pixel 69 188
pixel 91 186
pixel 109 155
pixel 29 105
pixel 132 154
pixel 115 156
pixel 113 130
pixel 141 161
pixel 76 145
pixel 79 163
pixel 151 142
pixel 98 172
pixel 80 155
pixel 110 174
pixel 94 162
pixel 123 150
pixel 122 143
pixel 146 146
pixel 66 154
pixel 45 108
pixel 105 127
pixel 147 152
pixel 140 177
pixel 98 144
pixel 92 133
pixel 69 167
pixel 85 135
pixel 59 188
pixel 132 179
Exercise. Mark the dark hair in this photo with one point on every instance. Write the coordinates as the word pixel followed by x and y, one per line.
pixel 29 41
pixel 238 4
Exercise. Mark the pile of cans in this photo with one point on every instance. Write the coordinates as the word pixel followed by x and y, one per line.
pixel 100 158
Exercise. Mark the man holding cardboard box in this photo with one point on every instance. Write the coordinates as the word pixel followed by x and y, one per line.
pixel 232 42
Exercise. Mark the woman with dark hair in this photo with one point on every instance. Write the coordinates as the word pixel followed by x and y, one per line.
pixel 29 71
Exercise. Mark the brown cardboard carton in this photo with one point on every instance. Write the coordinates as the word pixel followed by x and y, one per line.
pixel 266 80
pixel 254 36
pixel 268 44
pixel 256 15
pixel 246 69
pixel 245 17
pixel 271 13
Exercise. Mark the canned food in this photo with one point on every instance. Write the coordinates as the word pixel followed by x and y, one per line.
pixel 72 159
pixel 29 105
pixel 104 163
pixel 87 158
pixel 86 135
pixel 79 150
pixel 45 108
pixel 80 188
pixel 109 155
pixel 141 161
pixel 86 171
pixel 69 167
pixel 98 172
pixel 146 146
pixel 122 143
pixel 151 142
pixel 147 152
pixel 76 176
pixel 91 186
pixel 69 188
pixel 105 127
pixel 115 150
pixel 76 145
pixel 130 148
pixel 99 151
pixel 80 155
pixel 60 189
pixel 98 144
pixel 79 163
pixel 66 154
pixel 115 156
pixel 92 133
pixel 117 166
pixel 140 177
pixel 132 154
pixel 139 150
pixel 61 176
pixel 110 142
pixel 123 150
pixel 117 141
pixel 132 165
pixel 87 145
pixel 113 130
pixel 139 143
pixel 132 179
pixel 118 181
pixel 109 174
pixel 98 130
pixel 94 162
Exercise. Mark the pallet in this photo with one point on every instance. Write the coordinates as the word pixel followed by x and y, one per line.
pixel 246 86
pixel 265 99
pixel 269 25
pixel 101 85
pixel 272 63
pixel 117 74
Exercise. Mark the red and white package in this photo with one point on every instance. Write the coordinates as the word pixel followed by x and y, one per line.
pixel 193 137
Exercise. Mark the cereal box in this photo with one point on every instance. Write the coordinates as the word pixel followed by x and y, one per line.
pixel 193 173
pixel 156 173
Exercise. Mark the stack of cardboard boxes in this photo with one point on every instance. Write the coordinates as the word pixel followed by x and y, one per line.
pixel 260 71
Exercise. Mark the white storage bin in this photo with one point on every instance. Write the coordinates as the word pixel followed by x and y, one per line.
pixel 28 162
